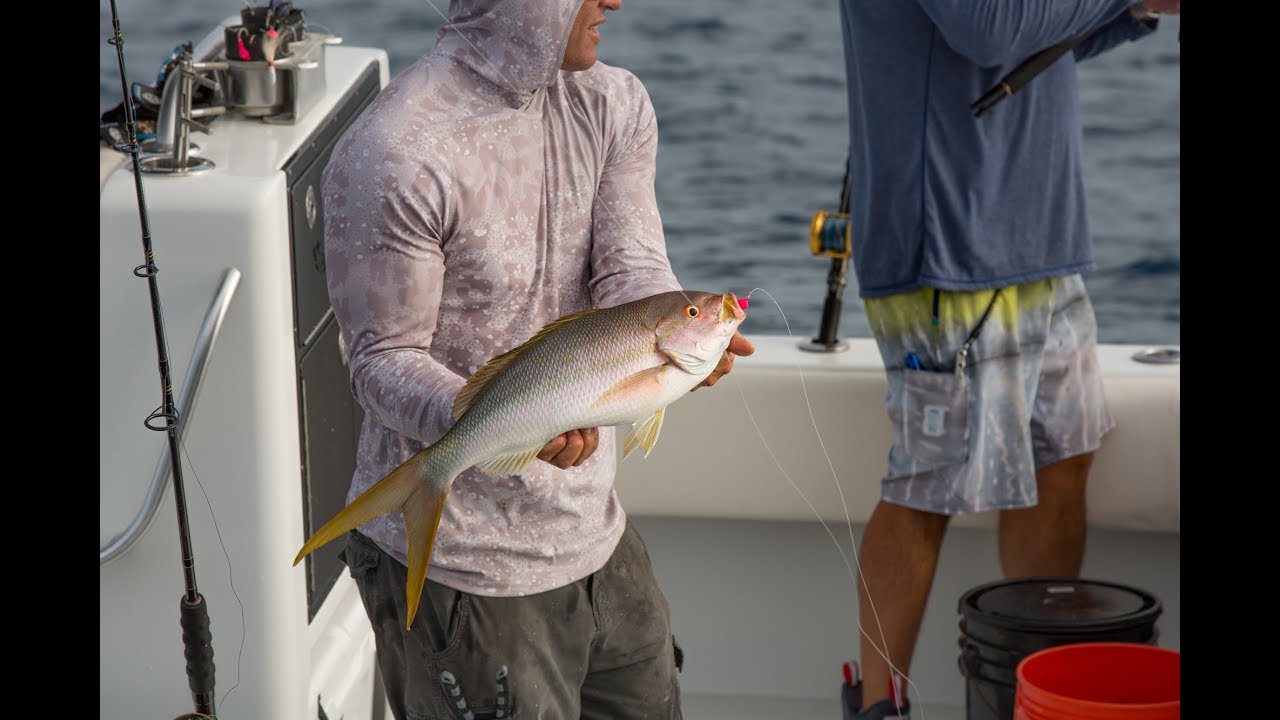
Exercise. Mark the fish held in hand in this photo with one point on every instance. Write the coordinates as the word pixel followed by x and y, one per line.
pixel 594 368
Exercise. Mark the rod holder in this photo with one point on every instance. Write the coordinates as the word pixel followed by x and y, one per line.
pixel 178 118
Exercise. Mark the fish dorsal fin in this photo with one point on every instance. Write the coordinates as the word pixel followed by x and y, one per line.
pixel 509 464
pixel 644 433
pixel 496 365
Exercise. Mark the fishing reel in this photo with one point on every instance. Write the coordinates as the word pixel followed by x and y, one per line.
pixel 829 235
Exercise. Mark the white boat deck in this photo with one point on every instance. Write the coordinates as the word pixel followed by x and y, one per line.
pixel 766 611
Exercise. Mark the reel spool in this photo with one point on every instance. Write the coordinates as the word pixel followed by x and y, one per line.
pixel 829 235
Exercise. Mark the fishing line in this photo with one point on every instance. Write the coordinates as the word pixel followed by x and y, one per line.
pixel 483 57
pixel 230 579
pixel 848 521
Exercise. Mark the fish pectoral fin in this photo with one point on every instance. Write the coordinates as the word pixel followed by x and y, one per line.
pixel 689 363
pixel 646 383
pixel 509 464
pixel 644 433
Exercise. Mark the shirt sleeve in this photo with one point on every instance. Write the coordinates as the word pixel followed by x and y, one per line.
pixel 1123 28
pixel 628 248
pixel 385 269
pixel 995 33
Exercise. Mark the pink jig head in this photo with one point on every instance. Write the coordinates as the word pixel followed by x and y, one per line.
pixel 244 51
pixel 269 46
pixel 743 302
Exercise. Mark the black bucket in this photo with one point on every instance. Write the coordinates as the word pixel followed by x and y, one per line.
pixel 1003 622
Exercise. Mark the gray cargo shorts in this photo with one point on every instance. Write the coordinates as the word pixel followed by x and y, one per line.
pixel 599 648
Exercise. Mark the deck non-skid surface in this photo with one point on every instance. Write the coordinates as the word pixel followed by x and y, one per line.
pixel 697 706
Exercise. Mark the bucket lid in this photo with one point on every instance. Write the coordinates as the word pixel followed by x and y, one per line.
pixel 1065 604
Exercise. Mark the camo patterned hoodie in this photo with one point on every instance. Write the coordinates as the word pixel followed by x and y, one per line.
pixel 483 193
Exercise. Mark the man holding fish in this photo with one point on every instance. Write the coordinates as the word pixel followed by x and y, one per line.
pixel 497 265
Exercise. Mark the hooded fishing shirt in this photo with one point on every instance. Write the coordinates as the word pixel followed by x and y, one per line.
pixel 940 198
pixel 482 194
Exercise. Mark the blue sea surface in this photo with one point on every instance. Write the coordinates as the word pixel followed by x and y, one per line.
pixel 752 120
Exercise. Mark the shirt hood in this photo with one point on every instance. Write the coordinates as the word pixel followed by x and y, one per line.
pixel 518 45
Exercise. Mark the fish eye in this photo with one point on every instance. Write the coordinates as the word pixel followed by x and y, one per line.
pixel 691 310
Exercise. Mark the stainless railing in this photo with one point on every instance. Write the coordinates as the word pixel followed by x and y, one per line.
pixel 205 341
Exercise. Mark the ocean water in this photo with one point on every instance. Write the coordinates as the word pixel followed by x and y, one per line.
pixel 751 110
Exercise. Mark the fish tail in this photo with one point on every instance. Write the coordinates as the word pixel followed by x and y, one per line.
pixel 421 520
pixel 405 489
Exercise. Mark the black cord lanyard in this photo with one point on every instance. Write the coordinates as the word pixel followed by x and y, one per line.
pixel 962 355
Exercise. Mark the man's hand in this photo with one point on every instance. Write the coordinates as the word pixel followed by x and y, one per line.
pixel 1164 7
pixel 1146 10
pixel 738 345
pixel 571 449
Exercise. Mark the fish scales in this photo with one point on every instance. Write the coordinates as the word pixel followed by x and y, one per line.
pixel 593 368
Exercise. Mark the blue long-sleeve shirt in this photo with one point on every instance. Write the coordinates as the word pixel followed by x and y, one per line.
pixel 939 198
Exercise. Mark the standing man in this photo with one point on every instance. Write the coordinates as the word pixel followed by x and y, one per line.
pixel 969 237
pixel 502 181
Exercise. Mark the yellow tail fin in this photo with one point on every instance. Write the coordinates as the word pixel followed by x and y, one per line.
pixel 403 490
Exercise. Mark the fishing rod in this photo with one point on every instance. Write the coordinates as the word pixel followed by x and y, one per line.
pixel 1031 67
pixel 1023 73
pixel 193 609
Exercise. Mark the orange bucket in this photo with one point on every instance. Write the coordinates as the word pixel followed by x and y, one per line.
pixel 1099 681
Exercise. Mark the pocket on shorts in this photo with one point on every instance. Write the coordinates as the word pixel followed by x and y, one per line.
pixel 933 416
pixel 453 609
pixel 360 555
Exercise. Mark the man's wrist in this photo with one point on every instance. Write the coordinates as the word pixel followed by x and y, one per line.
pixel 1142 13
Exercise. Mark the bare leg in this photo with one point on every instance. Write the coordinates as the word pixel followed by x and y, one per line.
pixel 1048 539
pixel 898 558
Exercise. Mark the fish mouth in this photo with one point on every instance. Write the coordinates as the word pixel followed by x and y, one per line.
pixel 729 308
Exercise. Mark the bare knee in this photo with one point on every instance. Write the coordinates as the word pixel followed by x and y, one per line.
pixel 1048 538
pixel 902 524
pixel 1076 466
pixel 1063 482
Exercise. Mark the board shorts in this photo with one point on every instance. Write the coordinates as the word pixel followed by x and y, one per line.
pixel 984 388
